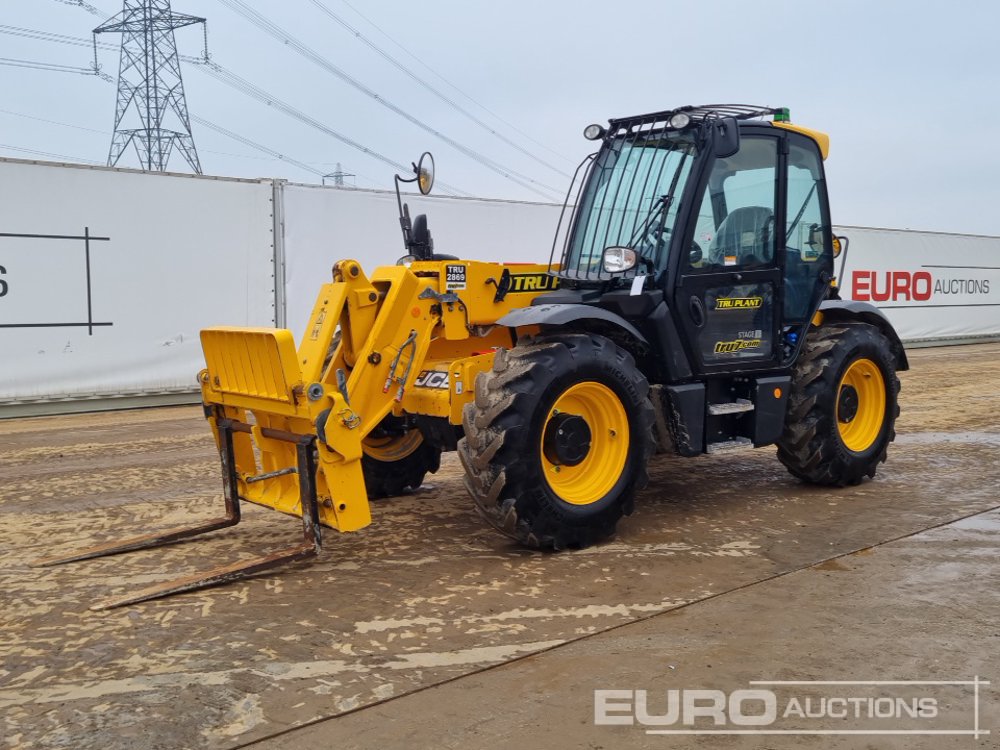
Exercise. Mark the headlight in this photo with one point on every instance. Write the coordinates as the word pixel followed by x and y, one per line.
pixel 680 121
pixel 618 259
pixel 593 132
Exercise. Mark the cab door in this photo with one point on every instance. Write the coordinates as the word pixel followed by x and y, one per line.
pixel 728 295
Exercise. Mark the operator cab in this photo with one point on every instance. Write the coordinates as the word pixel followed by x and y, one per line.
pixel 713 212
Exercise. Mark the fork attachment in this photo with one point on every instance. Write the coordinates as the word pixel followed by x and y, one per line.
pixel 311 533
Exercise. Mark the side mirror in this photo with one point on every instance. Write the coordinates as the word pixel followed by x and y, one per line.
pixel 840 249
pixel 696 255
pixel 813 248
pixel 425 173
pixel 725 137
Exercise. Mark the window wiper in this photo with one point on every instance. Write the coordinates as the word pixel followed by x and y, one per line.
pixel 658 215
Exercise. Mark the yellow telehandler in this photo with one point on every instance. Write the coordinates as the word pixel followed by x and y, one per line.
pixel 689 304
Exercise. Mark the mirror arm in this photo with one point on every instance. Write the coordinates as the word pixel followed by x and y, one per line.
pixel 844 242
pixel 404 213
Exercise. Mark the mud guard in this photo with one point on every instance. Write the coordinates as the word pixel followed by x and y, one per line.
pixel 847 310
pixel 562 314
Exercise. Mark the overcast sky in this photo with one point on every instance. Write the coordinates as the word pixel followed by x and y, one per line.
pixel 906 90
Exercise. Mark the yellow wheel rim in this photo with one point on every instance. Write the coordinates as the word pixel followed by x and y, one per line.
pixel 860 414
pixel 391 449
pixel 593 477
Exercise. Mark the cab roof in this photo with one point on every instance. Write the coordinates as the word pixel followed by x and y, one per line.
pixel 702 112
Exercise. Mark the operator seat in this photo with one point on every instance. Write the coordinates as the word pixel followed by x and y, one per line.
pixel 746 233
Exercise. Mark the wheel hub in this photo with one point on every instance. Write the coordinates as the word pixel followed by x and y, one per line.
pixel 567 439
pixel 847 404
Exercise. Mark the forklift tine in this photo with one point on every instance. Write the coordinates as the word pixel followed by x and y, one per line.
pixel 146 541
pixel 214 577
pixel 311 545
pixel 311 533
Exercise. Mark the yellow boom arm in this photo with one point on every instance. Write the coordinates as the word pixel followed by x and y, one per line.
pixel 410 340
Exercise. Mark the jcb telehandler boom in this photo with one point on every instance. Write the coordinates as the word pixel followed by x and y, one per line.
pixel 689 304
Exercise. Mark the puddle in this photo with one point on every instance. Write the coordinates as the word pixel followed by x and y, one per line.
pixel 983 522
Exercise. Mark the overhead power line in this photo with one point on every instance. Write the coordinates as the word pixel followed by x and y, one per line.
pixel 451 85
pixel 272 29
pixel 61 157
pixel 53 122
pixel 55 67
pixel 210 125
pixel 450 102
pixel 249 89
pixel 49 36
pixel 86 6
pixel 253 144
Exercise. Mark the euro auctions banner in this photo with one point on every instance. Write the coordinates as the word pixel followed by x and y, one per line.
pixel 931 285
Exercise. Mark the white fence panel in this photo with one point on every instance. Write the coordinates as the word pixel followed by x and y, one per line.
pixel 106 276
pixel 323 226
pixel 932 286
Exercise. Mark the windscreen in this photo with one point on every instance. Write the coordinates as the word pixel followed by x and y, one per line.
pixel 629 198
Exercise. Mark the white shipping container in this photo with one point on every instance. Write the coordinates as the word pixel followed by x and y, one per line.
pixel 108 276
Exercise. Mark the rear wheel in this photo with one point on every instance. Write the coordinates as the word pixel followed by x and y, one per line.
pixel 557 440
pixel 396 458
pixel 842 407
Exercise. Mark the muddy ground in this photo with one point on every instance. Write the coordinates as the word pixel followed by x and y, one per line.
pixel 427 593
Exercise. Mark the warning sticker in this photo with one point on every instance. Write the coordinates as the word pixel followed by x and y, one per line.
pixel 454 277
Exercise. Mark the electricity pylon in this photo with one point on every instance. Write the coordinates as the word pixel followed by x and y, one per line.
pixel 150 87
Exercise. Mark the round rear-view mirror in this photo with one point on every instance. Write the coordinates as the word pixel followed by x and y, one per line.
pixel 425 173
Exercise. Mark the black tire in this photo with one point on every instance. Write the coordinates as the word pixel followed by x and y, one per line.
pixel 502 453
pixel 390 475
pixel 812 446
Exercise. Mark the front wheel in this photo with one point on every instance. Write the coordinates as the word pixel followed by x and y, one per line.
pixel 396 457
pixel 557 440
pixel 842 407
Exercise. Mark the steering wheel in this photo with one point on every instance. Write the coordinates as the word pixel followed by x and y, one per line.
pixel 656 236
pixel 696 255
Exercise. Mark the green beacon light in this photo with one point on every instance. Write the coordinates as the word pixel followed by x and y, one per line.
pixel 781 115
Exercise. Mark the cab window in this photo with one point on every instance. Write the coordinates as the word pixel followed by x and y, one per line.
pixel 735 228
pixel 807 229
